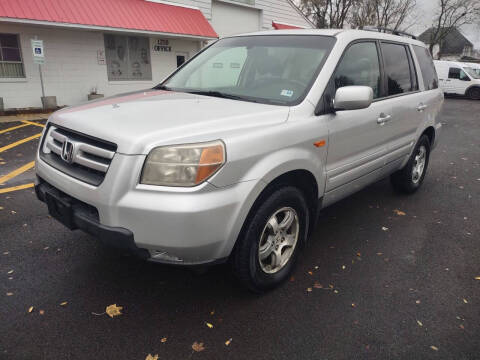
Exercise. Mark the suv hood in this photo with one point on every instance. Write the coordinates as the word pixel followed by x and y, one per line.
pixel 140 121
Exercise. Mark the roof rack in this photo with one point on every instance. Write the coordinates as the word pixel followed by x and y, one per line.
pixel 389 31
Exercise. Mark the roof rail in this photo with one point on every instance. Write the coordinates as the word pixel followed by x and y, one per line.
pixel 389 31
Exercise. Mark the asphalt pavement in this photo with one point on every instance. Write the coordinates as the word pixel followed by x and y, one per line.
pixel 384 276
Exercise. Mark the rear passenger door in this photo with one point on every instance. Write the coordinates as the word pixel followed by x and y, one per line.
pixel 402 96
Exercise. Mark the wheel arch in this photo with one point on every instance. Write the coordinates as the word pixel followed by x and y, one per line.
pixel 474 86
pixel 430 132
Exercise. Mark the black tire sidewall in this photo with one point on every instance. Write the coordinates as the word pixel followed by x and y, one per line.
pixel 257 280
pixel 474 91
pixel 425 142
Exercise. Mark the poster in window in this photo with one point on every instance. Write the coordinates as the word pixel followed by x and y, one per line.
pixel 127 58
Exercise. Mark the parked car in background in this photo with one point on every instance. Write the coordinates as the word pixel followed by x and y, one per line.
pixel 232 157
pixel 458 78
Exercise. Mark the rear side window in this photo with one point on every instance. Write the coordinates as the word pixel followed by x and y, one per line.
pixel 397 69
pixel 359 66
pixel 429 74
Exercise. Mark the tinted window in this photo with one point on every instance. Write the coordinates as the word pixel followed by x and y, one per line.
pixel 456 73
pixel 360 66
pixel 425 61
pixel 397 69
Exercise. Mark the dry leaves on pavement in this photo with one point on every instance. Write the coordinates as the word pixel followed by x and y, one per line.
pixel 198 346
pixel 163 340
pixel 113 310
pixel 228 341
pixel 399 212
pixel 152 357
pixel 210 326
pixel 434 348
pixel 30 309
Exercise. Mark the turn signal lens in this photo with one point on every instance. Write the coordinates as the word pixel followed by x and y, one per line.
pixel 183 165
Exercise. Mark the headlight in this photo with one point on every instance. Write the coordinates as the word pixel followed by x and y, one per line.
pixel 183 165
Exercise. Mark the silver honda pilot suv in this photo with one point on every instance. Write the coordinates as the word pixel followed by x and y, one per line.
pixel 233 156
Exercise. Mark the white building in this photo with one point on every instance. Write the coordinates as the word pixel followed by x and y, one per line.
pixel 115 46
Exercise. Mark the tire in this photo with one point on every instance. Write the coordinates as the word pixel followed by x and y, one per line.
pixel 254 261
pixel 474 93
pixel 407 180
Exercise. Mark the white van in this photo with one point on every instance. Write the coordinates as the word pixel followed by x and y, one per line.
pixel 458 78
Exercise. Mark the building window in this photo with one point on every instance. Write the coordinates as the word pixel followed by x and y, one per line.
pixel 128 58
pixel 11 65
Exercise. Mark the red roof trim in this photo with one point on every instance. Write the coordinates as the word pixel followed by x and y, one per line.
pixel 137 15
pixel 282 26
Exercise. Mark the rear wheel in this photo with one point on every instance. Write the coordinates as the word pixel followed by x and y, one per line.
pixel 474 93
pixel 267 249
pixel 410 178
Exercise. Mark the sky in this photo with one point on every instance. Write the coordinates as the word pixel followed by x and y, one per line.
pixel 426 12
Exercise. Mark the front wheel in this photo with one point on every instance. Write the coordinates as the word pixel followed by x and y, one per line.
pixel 410 178
pixel 266 250
pixel 474 93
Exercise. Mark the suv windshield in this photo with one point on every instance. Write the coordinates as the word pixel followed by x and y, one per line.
pixel 277 69
pixel 475 73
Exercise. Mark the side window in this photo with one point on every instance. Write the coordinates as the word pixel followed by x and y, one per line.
pixel 397 69
pixel 454 73
pixel 360 66
pixel 429 74
pixel 464 76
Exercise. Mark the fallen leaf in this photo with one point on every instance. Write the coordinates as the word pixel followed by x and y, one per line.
pixel 434 348
pixel 399 213
pixel 41 312
pixel 343 267
pixel 335 291
pixel 6 252
pixel 152 357
pixel 212 312
pixel 316 267
pixel 30 309
pixel 309 289
pixel 198 346
pixel 1 208
pixel 163 340
pixel 64 303
pixel 358 254
pixel 417 301
pixel 384 228
pixel 46 248
pixel 209 325
pixel 353 305
pixel 379 254
pixel 419 323
pixel 10 272
pixel 462 327
pixel 9 293
pixel 310 273
pixel 292 279
pixel 113 310
pixel 477 277
pixel 13 212
pixel 228 341
pixel 317 285
pixel 465 301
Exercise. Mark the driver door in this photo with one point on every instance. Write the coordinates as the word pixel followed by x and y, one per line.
pixel 357 138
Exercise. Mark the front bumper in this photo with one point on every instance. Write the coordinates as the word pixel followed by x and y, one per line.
pixel 187 226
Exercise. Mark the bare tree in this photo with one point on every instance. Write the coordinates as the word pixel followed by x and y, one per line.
pixel 328 13
pixel 452 14
pixel 391 14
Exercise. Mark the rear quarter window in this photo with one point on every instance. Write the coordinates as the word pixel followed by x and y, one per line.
pixel 397 69
pixel 429 74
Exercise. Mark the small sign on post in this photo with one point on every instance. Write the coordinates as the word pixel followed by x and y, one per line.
pixel 39 58
pixel 38 53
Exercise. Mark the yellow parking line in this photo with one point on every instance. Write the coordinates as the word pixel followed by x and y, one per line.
pixel 32 123
pixel 17 172
pixel 19 142
pixel 15 188
pixel 13 128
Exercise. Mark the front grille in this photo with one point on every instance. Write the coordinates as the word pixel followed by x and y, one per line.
pixel 81 156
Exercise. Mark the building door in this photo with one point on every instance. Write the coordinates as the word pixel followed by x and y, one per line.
pixel 181 58
pixel 230 19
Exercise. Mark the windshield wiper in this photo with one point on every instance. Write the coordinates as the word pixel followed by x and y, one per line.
pixel 220 95
pixel 162 87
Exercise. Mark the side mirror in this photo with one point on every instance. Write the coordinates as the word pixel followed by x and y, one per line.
pixel 353 98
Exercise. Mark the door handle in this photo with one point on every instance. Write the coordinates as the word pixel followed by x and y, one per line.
pixel 421 107
pixel 448 80
pixel 384 119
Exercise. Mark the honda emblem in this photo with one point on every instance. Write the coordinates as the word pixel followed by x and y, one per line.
pixel 67 151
